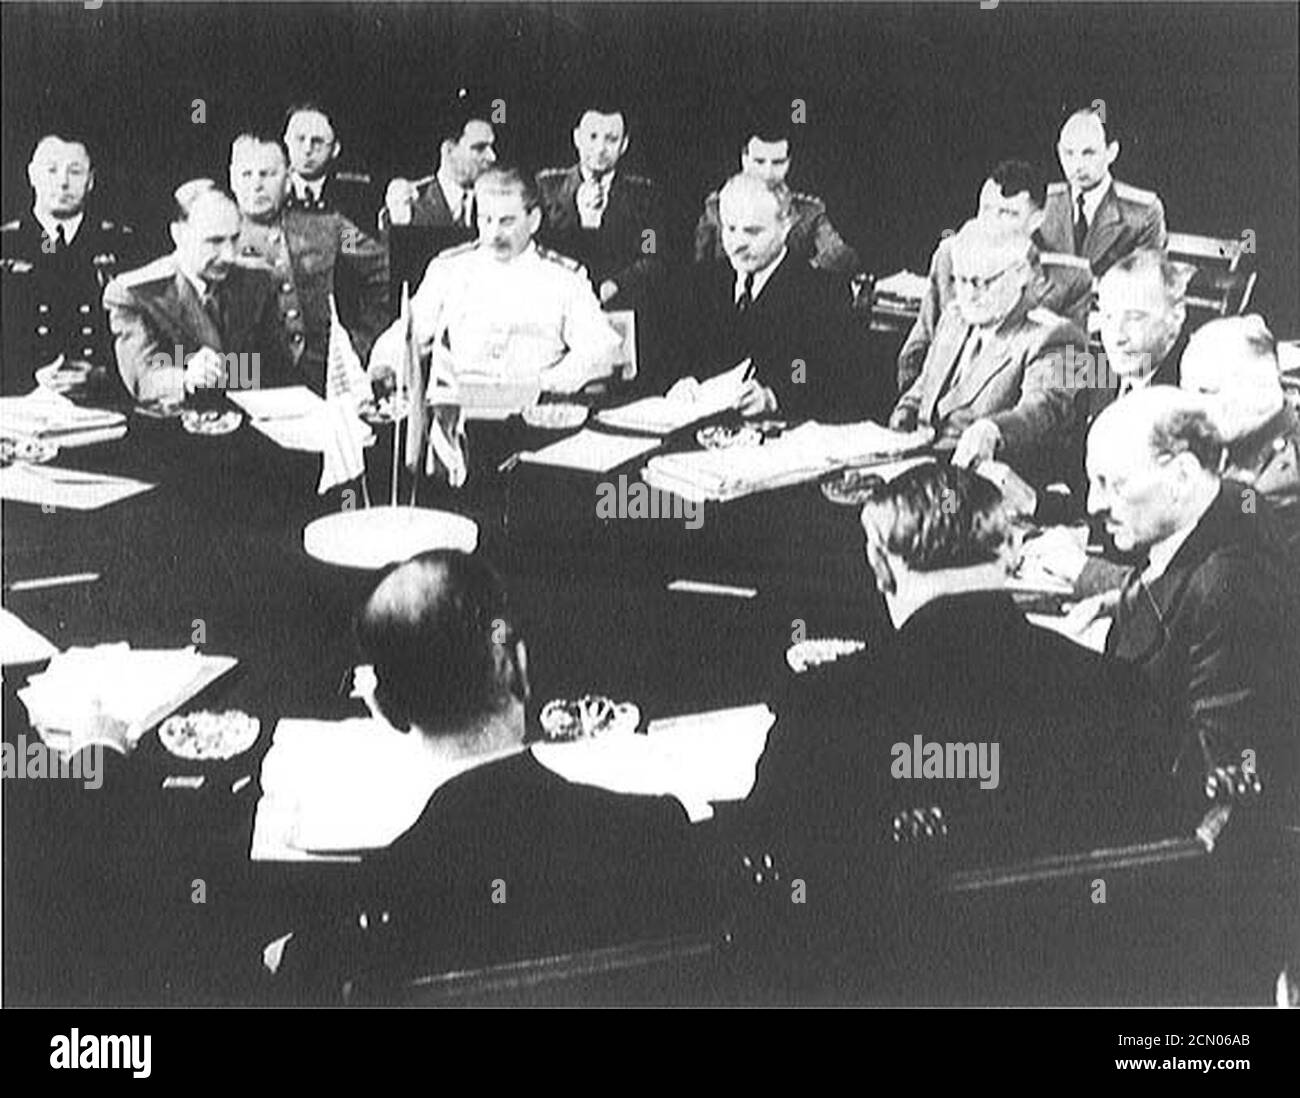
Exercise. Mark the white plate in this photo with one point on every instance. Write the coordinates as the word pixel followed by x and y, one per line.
pixel 204 735
pixel 375 537
pixel 593 715
pixel 555 417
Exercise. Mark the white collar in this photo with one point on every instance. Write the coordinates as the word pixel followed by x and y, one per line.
pixel 760 277
pixel 453 192
pixel 1091 199
pixel 198 285
pixel 51 225
pixel 310 187
pixel 606 182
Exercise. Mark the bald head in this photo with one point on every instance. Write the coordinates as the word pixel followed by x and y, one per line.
pixel 1232 364
pixel 1153 460
pixel 756 218
pixel 990 266
pixel 1084 152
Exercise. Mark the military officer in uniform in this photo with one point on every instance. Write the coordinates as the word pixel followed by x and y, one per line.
pixel 466 149
pixel 611 221
pixel 503 308
pixel 183 321
pixel 56 261
pixel 1091 214
pixel 1011 198
pixel 315 183
pixel 813 239
pixel 311 255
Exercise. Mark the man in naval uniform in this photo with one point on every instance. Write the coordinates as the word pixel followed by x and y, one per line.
pixel 609 220
pixel 813 239
pixel 311 255
pixel 315 182
pixel 56 261
pixel 502 307
pixel 1092 214
pixel 192 319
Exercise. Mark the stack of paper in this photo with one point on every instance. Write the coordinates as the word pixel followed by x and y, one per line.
pixel 47 415
pixel 113 694
pixel 685 404
pixel 806 453
pixel 292 417
pixel 699 759
pixel 592 451
pixel 903 289
pixel 70 489
pixel 20 643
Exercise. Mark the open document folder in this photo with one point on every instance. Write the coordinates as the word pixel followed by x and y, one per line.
pixel 662 415
pixel 54 418
pixel 806 453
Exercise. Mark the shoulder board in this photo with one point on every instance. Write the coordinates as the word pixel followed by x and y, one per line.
pixel 1040 315
pixel 1134 194
pixel 459 249
pixel 11 226
pixel 1064 259
pixel 552 173
pixel 352 177
pixel 159 270
pixel 805 199
pixel 636 180
pixel 1057 188
pixel 563 260
pixel 712 199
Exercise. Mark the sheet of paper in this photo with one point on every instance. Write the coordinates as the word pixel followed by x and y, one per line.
pixel 664 415
pixel 290 402
pixel 20 643
pixel 71 489
pixel 47 414
pixel 591 451
pixel 1093 637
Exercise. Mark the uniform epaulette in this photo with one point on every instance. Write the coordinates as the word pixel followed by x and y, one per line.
pixel 1134 194
pixel 563 260
pixel 1064 259
pixel 352 177
pixel 11 226
pixel 458 249
pixel 1057 188
pixel 552 173
pixel 157 270
pixel 806 199
pixel 1043 315
pixel 113 226
pixel 636 180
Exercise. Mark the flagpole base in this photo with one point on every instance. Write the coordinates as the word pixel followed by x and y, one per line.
pixel 375 537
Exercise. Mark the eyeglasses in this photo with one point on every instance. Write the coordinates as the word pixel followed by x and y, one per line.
pixel 974 282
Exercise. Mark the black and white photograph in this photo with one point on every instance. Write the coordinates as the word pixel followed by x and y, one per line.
pixel 676 505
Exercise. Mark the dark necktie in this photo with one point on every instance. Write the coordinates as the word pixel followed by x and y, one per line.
pixel 747 294
pixel 212 306
pixel 467 209
pixel 1080 229
pixel 1138 627
pixel 60 240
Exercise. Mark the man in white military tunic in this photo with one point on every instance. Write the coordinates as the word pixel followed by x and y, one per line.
pixel 503 310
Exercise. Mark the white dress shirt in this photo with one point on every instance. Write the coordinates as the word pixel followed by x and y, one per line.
pixel 51 225
pixel 760 278
pixel 1091 200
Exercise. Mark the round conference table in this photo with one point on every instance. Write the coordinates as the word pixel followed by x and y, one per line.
pixel 100 884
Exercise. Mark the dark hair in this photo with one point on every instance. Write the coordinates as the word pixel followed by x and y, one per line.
pixel 602 104
pixel 1183 429
pixel 449 122
pixel 68 137
pixel 431 629
pixel 1015 176
pixel 938 516
pixel 261 137
pixel 184 197
pixel 507 177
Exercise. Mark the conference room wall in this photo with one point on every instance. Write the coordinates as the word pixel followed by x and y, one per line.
pixel 906 104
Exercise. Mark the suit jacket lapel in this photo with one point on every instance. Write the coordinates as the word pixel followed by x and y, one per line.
pixel 190 307
pixel 949 338
pixel 1058 228
pixel 993 356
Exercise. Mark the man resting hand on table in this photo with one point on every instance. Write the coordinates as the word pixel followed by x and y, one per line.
pixel 503 308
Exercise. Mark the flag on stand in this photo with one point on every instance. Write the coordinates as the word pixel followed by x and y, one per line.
pixel 346 389
pixel 435 431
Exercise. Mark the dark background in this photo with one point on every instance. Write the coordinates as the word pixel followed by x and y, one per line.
pixel 908 104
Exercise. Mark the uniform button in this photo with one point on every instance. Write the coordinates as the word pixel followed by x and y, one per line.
pixel 88 351
pixel 83 309
pixel 42 330
pixel 296 337
pixel 286 288
pixel 42 308
pixel 291 313
pixel 87 331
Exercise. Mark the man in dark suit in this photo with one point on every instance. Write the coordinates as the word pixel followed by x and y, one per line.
pixel 466 149
pixel 508 859
pixel 312 255
pixel 1057 758
pixel 998 380
pixel 55 261
pixel 196 320
pixel 609 220
pixel 1209 614
pixel 1091 214
pixel 795 323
